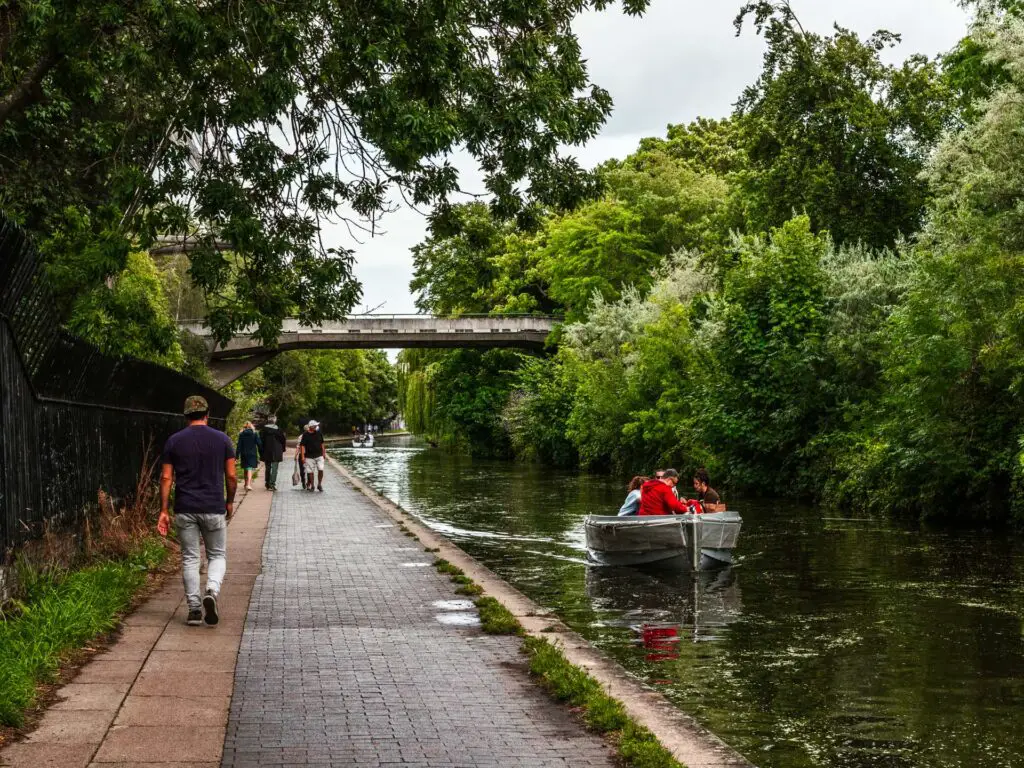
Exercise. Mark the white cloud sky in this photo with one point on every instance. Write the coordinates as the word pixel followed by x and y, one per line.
pixel 679 61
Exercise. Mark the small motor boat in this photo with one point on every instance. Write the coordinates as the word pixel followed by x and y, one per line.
pixel 362 441
pixel 690 542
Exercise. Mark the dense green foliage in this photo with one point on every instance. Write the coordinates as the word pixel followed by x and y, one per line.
pixel 831 130
pixel 832 310
pixel 59 614
pixel 131 316
pixel 341 389
pixel 253 124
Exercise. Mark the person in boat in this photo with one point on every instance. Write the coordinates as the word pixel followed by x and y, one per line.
pixel 707 496
pixel 660 473
pixel 632 503
pixel 657 496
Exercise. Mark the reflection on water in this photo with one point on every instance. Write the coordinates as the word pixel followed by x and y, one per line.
pixel 698 605
pixel 831 643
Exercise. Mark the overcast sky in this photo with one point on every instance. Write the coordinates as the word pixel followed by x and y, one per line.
pixel 679 61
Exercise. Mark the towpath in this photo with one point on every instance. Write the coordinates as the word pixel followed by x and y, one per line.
pixel 356 652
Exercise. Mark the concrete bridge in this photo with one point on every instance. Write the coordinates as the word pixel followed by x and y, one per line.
pixel 243 353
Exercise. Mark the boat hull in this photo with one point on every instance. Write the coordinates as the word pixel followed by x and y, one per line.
pixel 682 542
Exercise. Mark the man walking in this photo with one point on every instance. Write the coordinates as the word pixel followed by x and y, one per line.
pixel 274 441
pixel 311 450
pixel 200 462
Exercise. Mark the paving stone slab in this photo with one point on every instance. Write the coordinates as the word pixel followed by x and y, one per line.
pixel 99 696
pixel 107 670
pixel 150 744
pixel 72 727
pixel 173 711
pixel 45 755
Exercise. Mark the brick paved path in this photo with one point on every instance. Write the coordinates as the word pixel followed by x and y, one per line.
pixel 345 662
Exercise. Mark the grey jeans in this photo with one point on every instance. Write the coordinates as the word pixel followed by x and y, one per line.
pixel 214 531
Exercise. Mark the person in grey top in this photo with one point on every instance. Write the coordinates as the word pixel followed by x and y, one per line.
pixel 631 505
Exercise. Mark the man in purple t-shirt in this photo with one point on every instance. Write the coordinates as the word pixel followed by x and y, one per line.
pixel 200 462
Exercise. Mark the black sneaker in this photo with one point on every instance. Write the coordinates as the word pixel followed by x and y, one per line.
pixel 195 617
pixel 210 608
pixel 321 489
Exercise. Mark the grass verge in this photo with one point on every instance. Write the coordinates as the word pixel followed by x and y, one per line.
pixel 566 682
pixel 61 613
pixel 496 619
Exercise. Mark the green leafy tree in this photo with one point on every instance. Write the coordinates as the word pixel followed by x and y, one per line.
pixel 291 386
pixel 969 71
pixel 249 125
pixel 451 273
pixel 762 398
pixel 832 131
pixel 130 316
pixel 705 146
pixel 537 411
pixel 945 437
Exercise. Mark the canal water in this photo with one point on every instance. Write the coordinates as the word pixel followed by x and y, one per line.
pixel 830 643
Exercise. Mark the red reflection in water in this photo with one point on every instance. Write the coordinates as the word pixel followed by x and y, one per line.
pixel 661 639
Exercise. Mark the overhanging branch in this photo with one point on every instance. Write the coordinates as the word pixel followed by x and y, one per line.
pixel 28 89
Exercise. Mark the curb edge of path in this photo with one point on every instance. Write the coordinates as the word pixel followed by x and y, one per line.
pixel 688 741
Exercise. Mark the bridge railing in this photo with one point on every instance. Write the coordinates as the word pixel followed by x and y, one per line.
pixel 293 330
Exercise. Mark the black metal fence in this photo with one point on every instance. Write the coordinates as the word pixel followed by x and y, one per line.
pixel 73 420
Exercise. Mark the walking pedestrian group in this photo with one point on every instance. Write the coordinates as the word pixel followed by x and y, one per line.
pixel 199 463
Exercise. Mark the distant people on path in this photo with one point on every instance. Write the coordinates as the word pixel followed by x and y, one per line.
pixel 199 461
pixel 274 442
pixel 311 453
pixel 248 451
pixel 298 451
pixel 657 497
pixel 631 505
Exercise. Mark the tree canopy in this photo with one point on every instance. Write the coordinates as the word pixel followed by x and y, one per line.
pixel 253 124
pixel 821 294
pixel 832 131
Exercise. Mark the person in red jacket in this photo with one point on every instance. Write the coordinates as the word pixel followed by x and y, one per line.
pixel 657 497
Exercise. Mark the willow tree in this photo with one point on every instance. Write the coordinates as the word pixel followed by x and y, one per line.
pixel 255 123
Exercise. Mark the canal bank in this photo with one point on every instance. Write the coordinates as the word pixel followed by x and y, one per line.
pixel 689 742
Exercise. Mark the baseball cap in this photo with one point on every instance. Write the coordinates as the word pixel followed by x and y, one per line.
pixel 196 404
pixel 313 424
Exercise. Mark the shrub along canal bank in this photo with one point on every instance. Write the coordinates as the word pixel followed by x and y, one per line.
pixel 569 667
pixel 832 642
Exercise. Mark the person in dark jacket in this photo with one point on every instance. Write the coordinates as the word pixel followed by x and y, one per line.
pixel 657 497
pixel 248 452
pixel 273 439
